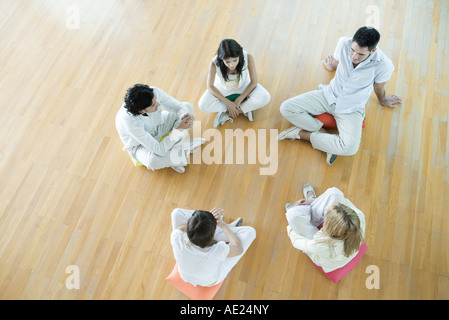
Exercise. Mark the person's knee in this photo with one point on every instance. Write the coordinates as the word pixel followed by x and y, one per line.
pixel 349 147
pixel 205 102
pixel 252 233
pixel 285 108
pixel 266 98
pixel 289 108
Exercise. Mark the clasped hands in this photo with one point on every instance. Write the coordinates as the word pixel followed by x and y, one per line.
pixel 234 107
pixel 303 202
pixel 186 121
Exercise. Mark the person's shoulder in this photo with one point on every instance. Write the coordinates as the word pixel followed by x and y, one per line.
pixel 384 62
pixel 345 41
pixel 122 112
pixel 177 235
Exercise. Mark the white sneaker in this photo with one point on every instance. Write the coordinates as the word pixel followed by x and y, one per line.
pixel 237 223
pixel 221 118
pixel 179 169
pixel 291 133
pixel 330 158
pixel 306 189
pixel 249 115
pixel 288 205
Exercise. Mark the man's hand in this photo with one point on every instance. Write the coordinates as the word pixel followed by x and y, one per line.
pixel 330 63
pixel 233 109
pixel 186 121
pixel 390 101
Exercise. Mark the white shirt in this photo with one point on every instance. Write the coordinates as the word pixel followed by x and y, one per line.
pixel 142 130
pixel 196 265
pixel 328 254
pixel 351 87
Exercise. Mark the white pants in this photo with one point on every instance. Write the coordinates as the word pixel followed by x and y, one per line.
pixel 155 162
pixel 304 220
pixel 245 234
pixel 299 111
pixel 258 98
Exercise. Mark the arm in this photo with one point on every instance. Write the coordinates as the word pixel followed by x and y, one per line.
pixel 235 245
pixel 171 104
pixel 298 241
pixel 303 202
pixel 390 101
pixel 252 85
pixel 135 128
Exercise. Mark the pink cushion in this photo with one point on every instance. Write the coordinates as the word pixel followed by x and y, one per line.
pixel 337 274
pixel 195 293
pixel 329 121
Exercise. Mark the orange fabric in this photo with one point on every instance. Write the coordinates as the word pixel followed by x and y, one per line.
pixel 329 121
pixel 195 293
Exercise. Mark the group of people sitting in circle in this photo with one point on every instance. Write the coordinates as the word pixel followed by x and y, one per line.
pixel 328 228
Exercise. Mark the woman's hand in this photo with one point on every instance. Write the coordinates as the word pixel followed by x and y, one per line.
pixel 233 109
pixel 303 202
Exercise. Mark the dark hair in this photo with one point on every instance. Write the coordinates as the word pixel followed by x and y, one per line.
pixel 229 49
pixel 367 37
pixel 138 98
pixel 201 228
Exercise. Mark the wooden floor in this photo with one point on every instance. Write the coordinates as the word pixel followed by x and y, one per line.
pixel 70 196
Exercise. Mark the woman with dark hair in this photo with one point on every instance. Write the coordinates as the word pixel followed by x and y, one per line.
pixel 154 136
pixel 342 232
pixel 205 248
pixel 232 87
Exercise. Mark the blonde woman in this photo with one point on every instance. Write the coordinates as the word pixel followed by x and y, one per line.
pixel 342 232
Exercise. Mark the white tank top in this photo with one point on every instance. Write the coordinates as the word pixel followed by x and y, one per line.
pixel 234 82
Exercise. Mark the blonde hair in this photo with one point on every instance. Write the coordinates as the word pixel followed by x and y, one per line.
pixel 343 223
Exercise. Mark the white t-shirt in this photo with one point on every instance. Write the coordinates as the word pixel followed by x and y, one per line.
pixel 196 265
pixel 351 87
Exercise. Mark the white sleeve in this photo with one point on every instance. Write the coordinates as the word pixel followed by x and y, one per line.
pixel 340 46
pixel 136 129
pixel 171 104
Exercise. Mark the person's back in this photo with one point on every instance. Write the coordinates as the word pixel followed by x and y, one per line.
pixel 205 248
pixel 196 265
